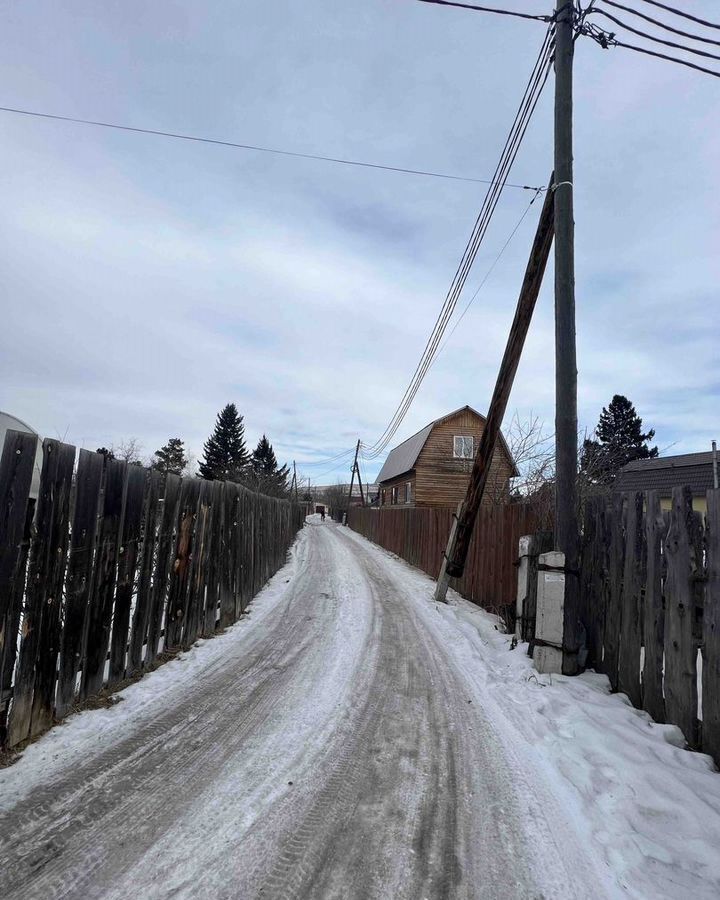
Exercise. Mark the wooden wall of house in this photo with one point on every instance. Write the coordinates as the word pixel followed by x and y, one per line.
pixel 400 483
pixel 441 479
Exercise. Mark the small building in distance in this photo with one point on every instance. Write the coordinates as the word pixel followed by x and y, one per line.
pixel 664 473
pixel 432 468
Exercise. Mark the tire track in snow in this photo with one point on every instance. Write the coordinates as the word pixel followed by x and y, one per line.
pixel 332 753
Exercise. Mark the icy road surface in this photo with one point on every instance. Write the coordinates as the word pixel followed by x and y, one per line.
pixel 336 743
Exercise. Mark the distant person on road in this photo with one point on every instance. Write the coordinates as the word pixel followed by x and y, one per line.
pixel 322 514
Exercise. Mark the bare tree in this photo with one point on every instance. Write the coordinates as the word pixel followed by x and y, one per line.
pixel 336 499
pixel 130 450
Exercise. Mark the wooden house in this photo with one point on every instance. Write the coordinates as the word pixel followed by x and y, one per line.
pixel 662 474
pixel 432 468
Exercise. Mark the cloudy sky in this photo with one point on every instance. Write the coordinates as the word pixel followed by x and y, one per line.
pixel 147 282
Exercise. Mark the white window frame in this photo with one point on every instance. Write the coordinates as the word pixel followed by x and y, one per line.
pixel 408 491
pixel 393 495
pixel 463 447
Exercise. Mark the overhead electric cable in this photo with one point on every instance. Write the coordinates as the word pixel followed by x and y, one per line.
pixel 685 15
pixel 657 40
pixel 687 34
pixel 675 59
pixel 512 143
pixel 492 9
pixel 253 147
pixel 608 39
pixel 486 276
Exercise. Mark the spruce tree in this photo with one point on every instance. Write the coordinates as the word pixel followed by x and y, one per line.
pixel 171 458
pixel 267 477
pixel 619 440
pixel 226 457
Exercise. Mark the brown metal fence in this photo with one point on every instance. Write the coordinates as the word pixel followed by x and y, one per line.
pixel 650 604
pixel 419 536
pixel 110 566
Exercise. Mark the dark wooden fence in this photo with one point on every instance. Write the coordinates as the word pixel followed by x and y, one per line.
pixel 419 536
pixel 650 603
pixel 112 565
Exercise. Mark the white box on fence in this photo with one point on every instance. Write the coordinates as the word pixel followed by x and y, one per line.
pixel 547 657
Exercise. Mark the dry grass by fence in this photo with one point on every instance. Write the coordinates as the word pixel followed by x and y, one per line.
pixel 420 535
pixel 112 565
pixel 650 603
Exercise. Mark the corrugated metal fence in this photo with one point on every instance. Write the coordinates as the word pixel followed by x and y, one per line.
pixel 420 535
pixel 110 566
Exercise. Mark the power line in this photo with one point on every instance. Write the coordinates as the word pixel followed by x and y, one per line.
pixel 682 62
pixel 252 147
pixel 679 12
pixel 490 9
pixel 512 143
pixel 486 276
pixel 687 34
pixel 522 117
pixel 607 39
pixel 651 37
pixel 329 459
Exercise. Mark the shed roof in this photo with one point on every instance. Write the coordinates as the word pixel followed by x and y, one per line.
pixel 403 457
pixel 666 472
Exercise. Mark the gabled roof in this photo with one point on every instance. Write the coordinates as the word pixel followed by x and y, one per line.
pixel 666 472
pixel 404 456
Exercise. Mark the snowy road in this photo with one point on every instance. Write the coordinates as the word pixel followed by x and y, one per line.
pixel 332 744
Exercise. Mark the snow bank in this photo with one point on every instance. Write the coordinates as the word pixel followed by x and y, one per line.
pixel 649 809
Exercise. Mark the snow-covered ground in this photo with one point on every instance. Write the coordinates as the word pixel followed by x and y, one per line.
pixel 350 738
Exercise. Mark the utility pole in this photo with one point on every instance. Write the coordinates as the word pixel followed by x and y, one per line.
pixel 566 530
pixel 294 482
pixel 453 564
pixel 352 477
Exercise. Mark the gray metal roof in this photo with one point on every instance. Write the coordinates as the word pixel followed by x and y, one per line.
pixel 404 456
pixel 666 472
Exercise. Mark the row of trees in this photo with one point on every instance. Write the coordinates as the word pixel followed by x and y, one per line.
pixel 225 457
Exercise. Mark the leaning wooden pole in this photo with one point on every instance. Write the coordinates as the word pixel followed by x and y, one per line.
pixel 453 564
pixel 352 477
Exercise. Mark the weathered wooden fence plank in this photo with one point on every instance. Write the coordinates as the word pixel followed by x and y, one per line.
pixel 633 581
pixel 680 647
pixel 31 708
pixel 128 556
pixel 16 471
pixel 711 632
pixel 79 577
pixel 103 591
pixel 654 609
pixel 194 619
pixel 217 561
pixel 178 594
pixel 613 614
pixel 227 558
pixel 143 601
pixel 163 562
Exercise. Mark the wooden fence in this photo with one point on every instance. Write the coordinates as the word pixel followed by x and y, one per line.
pixel 419 536
pixel 650 604
pixel 110 566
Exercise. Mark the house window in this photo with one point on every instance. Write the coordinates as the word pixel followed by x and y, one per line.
pixel 463 447
pixel 394 496
pixel 408 492
pixel 382 502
